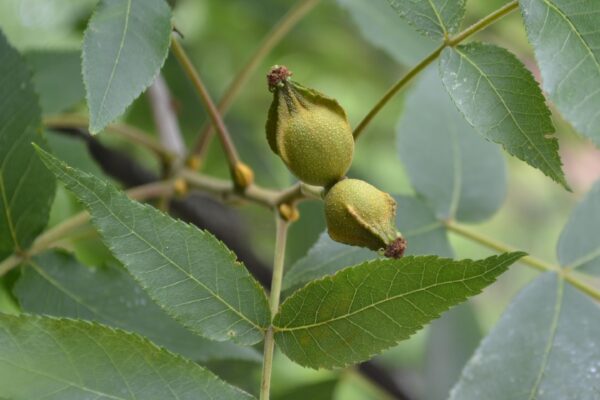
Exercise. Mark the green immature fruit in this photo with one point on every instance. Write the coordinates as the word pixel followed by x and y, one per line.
pixel 359 214
pixel 309 131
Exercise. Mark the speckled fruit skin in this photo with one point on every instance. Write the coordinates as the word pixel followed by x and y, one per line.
pixel 311 134
pixel 359 214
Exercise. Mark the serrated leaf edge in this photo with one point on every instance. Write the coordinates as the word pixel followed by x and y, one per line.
pixel 446 30
pixel 93 128
pixel 559 177
pixel 514 256
pixel 185 225
pixel 142 339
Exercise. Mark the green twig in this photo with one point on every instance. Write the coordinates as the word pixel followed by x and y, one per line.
pixel 484 23
pixel 530 261
pixel 394 89
pixel 131 133
pixel 453 41
pixel 50 237
pixel 498 246
pixel 240 173
pixel 278 263
pixel 287 22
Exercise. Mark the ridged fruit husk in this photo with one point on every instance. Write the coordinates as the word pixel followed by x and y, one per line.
pixel 308 130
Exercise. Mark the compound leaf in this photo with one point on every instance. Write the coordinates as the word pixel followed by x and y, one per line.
pixel 26 187
pixel 64 359
pixel 501 99
pixel 125 45
pixel 56 284
pixel 544 347
pixel 362 310
pixel 463 176
pixel 187 271
pixel 564 35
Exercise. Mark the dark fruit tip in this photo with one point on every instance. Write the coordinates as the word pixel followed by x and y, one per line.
pixel 396 248
pixel 277 75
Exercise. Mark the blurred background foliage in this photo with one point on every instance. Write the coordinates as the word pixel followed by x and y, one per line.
pixel 352 50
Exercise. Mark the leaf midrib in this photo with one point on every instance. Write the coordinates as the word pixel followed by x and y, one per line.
pixel 590 256
pixel 485 76
pixel 117 59
pixel 7 213
pixel 574 29
pixel 551 336
pixel 399 296
pixel 457 181
pixel 70 294
pixel 439 18
pixel 71 384
pixel 171 261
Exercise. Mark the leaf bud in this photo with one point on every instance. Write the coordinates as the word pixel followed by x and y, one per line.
pixel 359 214
pixel 308 130
pixel 243 175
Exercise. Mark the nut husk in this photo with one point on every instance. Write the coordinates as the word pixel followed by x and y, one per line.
pixel 308 130
pixel 359 214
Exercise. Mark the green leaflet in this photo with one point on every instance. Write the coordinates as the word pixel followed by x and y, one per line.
pixel 64 359
pixel 463 176
pixel 57 79
pixel 564 35
pixel 186 271
pixel 26 187
pixel 435 18
pixel 424 233
pixel 125 45
pixel 544 347
pixel 501 99
pixel 382 28
pixel 360 311
pixel 56 284
pixel 579 243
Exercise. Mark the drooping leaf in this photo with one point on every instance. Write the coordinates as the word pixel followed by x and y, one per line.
pixel 56 284
pixel 424 233
pixel 452 340
pixel 362 310
pixel 435 18
pixel 64 359
pixel 544 347
pixel 388 32
pixel 463 176
pixel 125 45
pixel 564 35
pixel 501 99
pixel 579 243
pixel 26 187
pixel 57 79
pixel 186 271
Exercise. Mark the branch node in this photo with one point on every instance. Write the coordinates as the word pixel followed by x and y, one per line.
pixel 181 187
pixel 194 162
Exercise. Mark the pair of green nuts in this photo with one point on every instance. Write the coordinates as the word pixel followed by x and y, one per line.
pixel 311 134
